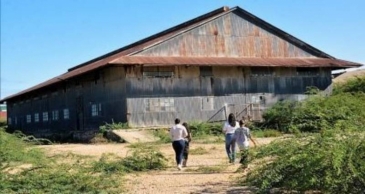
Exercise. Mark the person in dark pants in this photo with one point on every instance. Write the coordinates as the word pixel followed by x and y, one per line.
pixel 229 128
pixel 178 133
pixel 187 142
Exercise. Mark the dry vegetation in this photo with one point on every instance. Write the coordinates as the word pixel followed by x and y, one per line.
pixel 208 170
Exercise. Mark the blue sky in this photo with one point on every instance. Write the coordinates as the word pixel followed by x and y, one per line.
pixel 41 39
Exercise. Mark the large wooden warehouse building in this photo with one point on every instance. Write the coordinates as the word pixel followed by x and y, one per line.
pixel 227 60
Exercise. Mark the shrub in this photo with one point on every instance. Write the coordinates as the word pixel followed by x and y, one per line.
pixel 113 126
pixel 331 162
pixel 163 135
pixel 279 116
pixel 201 129
pixel 354 85
pixel 27 170
pixel 143 158
pixel 317 113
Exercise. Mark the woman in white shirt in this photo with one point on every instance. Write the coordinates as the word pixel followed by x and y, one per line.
pixel 229 128
pixel 178 133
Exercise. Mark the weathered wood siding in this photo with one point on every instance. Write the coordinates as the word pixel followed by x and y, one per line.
pixel 228 85
pixel 228 36
pixel 225 81
pixel 104 88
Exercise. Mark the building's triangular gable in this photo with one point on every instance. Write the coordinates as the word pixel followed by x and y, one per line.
pixel 236 33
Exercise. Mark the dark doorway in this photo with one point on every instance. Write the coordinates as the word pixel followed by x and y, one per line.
pixel 80 113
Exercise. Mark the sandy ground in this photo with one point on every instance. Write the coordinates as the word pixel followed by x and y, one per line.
pixel 171 180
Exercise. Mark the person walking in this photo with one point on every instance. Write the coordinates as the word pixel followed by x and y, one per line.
pixel 242 136
pixel 229 128
pixel 178 133
pixel 187 143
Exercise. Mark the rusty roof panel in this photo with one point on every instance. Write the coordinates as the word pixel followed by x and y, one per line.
pixel 234 61
pixel 199 61
pixel 274 46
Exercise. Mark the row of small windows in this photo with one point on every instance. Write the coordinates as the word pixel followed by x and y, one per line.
pixel 95 111
pixel 45 117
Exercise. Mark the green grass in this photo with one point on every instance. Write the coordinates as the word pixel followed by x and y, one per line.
pixel 208 169
pixel 26 169
pixel 265 133
pixel 198 151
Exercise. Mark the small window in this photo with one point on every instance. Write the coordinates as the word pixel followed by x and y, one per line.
pixel 45 116
pixel 262 71
pixel 308 71
pixel 9 121
pixel 159 105
pixel 158 71
pixel 29 118
pixel 96 110
pixel 55 115
pixel 36 117
pixel 206 71
pixel 66 113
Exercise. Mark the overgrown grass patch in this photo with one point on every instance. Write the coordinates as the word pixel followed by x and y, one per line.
pixel 266 133
pixel 198 151
pixel 26 169
pixel 144 157
pixel 208 169
pixel 113 126
pixel 163 135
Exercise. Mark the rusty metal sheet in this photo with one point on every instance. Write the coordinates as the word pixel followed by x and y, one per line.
pixel 234 61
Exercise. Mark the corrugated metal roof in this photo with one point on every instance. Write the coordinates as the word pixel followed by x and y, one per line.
pixel 119 56
pixel 233 61
pixel 156 38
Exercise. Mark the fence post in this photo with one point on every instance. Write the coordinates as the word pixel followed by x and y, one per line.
pixel 225 111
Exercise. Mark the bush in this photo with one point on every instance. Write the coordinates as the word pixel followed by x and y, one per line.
pixel 354 85
pixel 113 126
pixel 278 117
pixel 331 162
pixel 163 135
pixel 201 129
pixel 143 158
pixel 24 169
pixel 317 113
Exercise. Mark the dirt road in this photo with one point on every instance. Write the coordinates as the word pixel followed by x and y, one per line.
pixel 206 173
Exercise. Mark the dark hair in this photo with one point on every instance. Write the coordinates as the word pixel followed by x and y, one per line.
pixel 185 125
pixel 241 123
pixel 177 121
pixel 187 130
pixel 232 120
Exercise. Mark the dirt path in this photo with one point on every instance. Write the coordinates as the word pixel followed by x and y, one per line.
pixel 195 178
pixel 205 173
